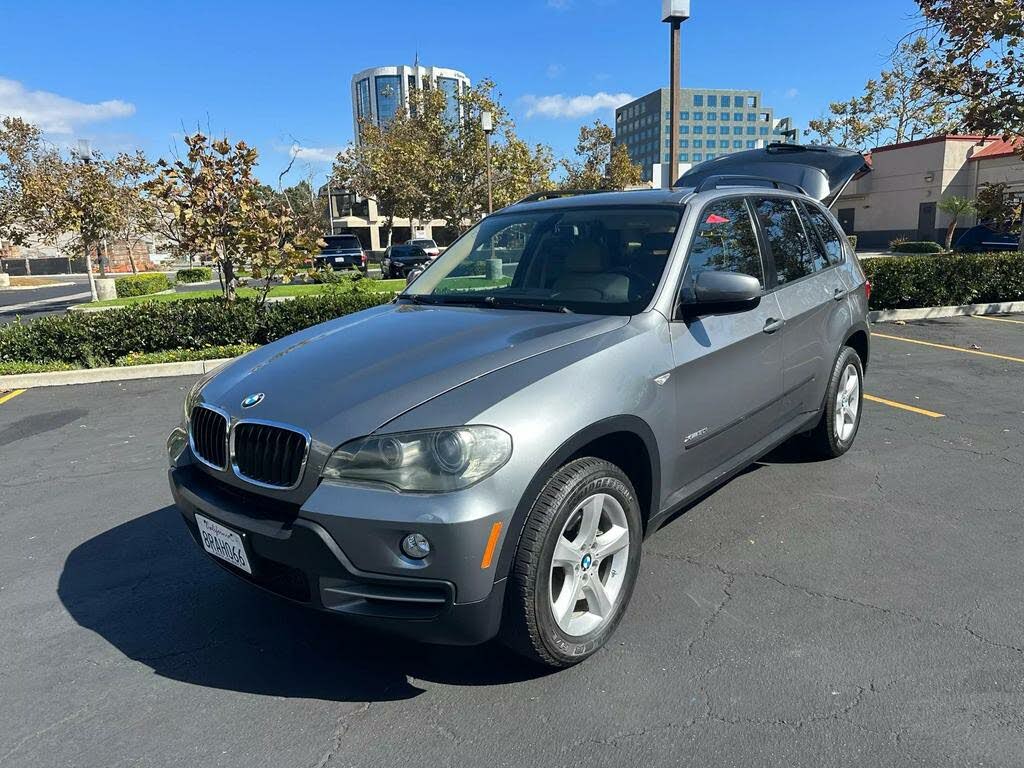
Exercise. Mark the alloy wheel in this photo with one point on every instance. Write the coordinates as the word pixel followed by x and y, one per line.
pixel 847 403
pixel 588 566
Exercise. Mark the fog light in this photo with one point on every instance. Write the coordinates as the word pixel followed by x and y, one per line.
pixel 416 546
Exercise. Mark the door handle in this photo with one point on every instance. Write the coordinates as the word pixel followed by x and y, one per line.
pixel 771 325
pixel 838 294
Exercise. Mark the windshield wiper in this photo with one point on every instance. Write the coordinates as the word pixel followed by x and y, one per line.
pixel 463 300
pixel 537 306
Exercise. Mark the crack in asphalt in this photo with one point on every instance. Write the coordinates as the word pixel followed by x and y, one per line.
pixel 340 729
pixel 965 629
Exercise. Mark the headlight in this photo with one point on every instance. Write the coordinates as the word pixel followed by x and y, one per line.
pixel 427 461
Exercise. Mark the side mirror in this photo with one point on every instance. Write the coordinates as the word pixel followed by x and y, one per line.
pixel 719 293
pixel 412 275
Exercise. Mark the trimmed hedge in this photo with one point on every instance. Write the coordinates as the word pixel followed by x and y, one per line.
pixel 945 280
pixel 853 241
pixel 12 369
pixel 912 246
pixel 185 355
pixel 142 284
pixel 194 275
pixel 92 339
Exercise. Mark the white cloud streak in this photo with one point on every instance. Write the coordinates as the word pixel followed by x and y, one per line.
pixel 54 113
pixel 314 154
pixel 559 106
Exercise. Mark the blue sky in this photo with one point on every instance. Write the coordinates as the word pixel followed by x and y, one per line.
pixel 277 74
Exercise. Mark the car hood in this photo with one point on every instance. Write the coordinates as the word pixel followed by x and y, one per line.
pixel 348 377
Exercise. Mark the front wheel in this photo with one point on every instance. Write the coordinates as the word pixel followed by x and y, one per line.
pixel 575 566
pixel 844 400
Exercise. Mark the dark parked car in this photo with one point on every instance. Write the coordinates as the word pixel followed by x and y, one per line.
pixel 400 260
pixel 984 238
pixel 342 252
pixel 473 460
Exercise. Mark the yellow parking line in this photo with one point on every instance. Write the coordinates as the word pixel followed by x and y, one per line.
pixel 11 395
pixel 946 346
pixel 904 406
pixel 997 319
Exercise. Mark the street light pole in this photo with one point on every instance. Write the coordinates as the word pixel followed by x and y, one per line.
pixel 85 155
pixel 487 123
pixel 675 12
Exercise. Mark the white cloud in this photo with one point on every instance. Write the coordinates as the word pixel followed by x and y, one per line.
pixel 557 106
pixel 555 70
pixel 54 113
pixel 792 93
pixel 314 154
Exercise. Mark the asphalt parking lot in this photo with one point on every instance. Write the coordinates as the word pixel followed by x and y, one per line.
pixel 861 612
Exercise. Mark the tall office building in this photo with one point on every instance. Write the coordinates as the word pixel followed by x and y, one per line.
pixel 711 123
pixel 378 93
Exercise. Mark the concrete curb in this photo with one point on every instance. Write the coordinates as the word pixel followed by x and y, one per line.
pixel 930 313
pixel 13 309
pixel 95 375
pixel 35 287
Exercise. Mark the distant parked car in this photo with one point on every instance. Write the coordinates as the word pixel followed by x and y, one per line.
pixel 400 260
pixel 983 238
pixel 427 245
pixel 341 252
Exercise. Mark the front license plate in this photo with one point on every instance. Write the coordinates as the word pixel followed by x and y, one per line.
pixel 223 543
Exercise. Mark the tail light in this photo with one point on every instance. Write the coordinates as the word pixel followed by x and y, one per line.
pixel 867 289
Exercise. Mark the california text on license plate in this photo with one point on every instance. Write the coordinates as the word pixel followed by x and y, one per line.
pixel 223 543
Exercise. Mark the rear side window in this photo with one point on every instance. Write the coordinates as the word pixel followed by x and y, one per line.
pixel 725 242
pixel 784 230
pixel 831 239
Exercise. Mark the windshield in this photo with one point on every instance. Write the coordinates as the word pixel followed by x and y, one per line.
pixel 595 260
pixel 335 243
pixel 423 243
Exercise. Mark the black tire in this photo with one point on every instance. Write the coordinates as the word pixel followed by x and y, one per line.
pixel 529 625
pixel 824 441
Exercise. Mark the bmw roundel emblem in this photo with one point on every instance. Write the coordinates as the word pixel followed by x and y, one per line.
pixel 254 399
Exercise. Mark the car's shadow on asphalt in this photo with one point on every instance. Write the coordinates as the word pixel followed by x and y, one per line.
pixel 145 588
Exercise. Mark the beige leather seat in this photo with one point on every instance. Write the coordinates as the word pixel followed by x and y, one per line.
pixel 586 277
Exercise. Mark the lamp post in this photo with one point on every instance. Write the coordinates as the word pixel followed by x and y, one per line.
pixel 674 12
pixel 85 155
pixel 487 124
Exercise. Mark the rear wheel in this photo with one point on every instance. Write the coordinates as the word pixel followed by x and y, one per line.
pixel 844 399
pixel 576 564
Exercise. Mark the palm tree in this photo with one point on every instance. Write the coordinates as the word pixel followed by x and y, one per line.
pixel 955 207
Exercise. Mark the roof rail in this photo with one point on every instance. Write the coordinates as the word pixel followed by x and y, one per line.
pixel 553 194
pixel 727 180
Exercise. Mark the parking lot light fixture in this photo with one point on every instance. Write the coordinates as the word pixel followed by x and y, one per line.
pixel 674 12
pixel 487 124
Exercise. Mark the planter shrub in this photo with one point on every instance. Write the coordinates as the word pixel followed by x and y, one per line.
pixel 194 275
pixel 92 339
pixel 945 280
pixel 912 246
pixel 141 285
pixel 853 241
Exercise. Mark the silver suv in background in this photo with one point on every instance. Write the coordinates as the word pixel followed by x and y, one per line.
pixel 509 435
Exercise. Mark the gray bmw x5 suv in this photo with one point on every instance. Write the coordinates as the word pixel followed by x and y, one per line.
pixel 565 377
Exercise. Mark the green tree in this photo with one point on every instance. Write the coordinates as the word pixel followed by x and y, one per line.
pixel 998 207
pixel 215 205
pixel 430 162
pixel 600 163
pixel 32 178
pixel 134 211
pixel 896 106
pixel 955 207
pixel 978 62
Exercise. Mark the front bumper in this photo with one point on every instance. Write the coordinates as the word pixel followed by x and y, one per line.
pixel 297 558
